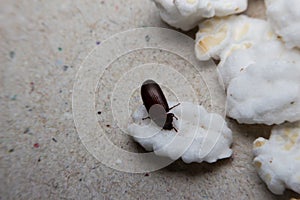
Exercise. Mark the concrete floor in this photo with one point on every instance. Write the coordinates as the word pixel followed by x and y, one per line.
pixel 43 45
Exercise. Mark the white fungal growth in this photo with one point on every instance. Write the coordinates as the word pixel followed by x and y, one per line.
pixel 201 136
pixel 263 84
pixel 277 160
pixel 218 37
pixel 260 75
pixel 186 14
pixel 284 16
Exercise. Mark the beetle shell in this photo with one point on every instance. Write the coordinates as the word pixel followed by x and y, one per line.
pixel 152 94
pixel 156 105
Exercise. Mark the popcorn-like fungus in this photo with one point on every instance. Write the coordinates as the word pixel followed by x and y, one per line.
pixel 284 17
pixel 186 14
pixel 219 37
pixel 277 160
pixel 263 84
pixel 201 136
pixel 260 75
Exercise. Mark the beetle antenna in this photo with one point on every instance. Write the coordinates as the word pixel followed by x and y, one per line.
pixel 174 106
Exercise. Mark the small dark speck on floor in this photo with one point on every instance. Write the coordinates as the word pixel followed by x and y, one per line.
pixel 36 145
pixel 12 54
pixel 55 185
pixel 54 140
pixel 80 179
pixel 107 125
pixel 39 160
pixel 99 112
pixel 147 174
pixel 26 130
pixel 11 150
pixel 31 87
pixel 65 67
pixel 147 38
pixel 13 98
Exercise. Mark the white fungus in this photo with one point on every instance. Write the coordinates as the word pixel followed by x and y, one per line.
pixel 284 16
pixel 263 84
pixel 260 75
pixel 218 37
pixel 186 14
pixel 277 160
pixel 201 136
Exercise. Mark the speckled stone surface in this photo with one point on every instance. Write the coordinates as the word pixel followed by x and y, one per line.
pixel 43 44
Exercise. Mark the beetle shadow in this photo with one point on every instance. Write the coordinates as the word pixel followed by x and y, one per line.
pixel 252 131
pixel 190 169
pixel 289 194
pixel 195 169
pixel 191 33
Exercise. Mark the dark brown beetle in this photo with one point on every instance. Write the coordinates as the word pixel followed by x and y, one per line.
pixel 157 106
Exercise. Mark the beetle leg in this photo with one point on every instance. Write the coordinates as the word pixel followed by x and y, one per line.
pixel 146 118
pixel 175 117
pixel 175 129
pixel 174 106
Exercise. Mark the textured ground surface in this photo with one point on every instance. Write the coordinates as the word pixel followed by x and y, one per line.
pixel 41 156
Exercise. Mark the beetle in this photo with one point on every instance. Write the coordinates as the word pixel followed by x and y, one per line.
pixel 157 106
